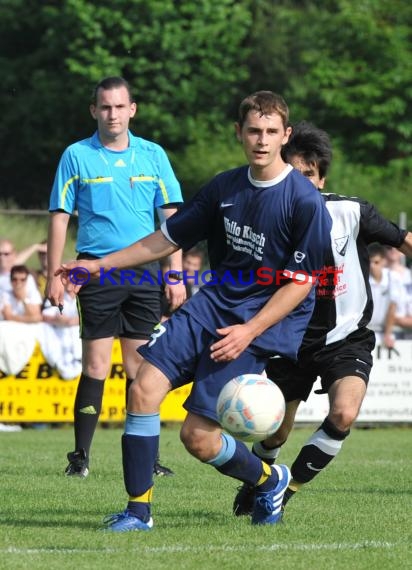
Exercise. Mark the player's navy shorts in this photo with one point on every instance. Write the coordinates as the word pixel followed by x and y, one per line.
pixel 129 310
pixel 349 357
pixel 180 348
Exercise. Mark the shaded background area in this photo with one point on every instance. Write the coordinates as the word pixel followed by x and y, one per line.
pixel 344 65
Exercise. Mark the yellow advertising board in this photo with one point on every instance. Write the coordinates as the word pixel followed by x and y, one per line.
pixel 38 394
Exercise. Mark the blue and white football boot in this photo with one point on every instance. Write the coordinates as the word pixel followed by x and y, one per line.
pixel 267 508
pixel 126 521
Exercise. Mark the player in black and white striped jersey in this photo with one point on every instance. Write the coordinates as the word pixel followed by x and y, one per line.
pixel 337 345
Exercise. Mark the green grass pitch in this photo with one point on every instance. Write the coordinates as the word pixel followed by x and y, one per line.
pixel 357 514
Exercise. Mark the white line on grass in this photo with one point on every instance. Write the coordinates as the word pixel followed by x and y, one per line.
pixel 368 544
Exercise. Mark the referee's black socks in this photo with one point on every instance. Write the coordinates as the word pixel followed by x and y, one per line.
pixel 87 408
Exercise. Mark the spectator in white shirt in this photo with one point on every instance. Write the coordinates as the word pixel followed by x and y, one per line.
pixel 396 261
pixel 10 257
pixel 22 303
pixel 387 293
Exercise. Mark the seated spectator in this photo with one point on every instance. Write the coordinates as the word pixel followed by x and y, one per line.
pixel 387 293
pixel 40 274
pixel 192 264
pixel 8 258
pixel 396 261
pixel 60 337
pixel 20 315
pixel 22 304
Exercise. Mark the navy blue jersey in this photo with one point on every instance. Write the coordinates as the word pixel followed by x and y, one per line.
pixel 258 231
pixel 345 304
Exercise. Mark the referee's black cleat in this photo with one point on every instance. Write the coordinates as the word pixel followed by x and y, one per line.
pixel 161 470
pixel 78 464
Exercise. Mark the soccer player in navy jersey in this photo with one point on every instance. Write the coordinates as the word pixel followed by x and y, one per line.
pixel 337 345
pixel 267 219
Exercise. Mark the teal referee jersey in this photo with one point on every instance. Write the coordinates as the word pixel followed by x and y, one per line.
pixel 114 192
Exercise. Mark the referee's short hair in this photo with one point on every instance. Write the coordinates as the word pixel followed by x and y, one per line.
pixel 113 82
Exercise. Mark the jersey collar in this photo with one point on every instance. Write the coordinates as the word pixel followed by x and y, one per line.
pixel 267 183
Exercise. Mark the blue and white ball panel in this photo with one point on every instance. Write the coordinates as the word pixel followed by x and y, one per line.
pixel 250 407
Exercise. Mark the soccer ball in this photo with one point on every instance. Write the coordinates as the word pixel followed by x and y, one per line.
pixel 250 407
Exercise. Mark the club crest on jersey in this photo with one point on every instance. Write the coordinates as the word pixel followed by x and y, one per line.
pixel 342 245
pixel 299 256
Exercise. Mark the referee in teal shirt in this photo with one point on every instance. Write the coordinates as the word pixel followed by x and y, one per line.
pixel 116 182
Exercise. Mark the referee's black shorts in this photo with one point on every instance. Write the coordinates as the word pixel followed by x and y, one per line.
pixel 130 308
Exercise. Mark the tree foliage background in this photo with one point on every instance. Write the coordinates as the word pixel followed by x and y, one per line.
pixel 345 65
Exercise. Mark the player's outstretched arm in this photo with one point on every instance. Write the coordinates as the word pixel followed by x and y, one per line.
pixel 153 247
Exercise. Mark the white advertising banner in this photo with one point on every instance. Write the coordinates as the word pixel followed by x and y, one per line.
pixel 389 395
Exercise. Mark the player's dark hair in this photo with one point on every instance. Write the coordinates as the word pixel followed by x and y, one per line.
pixel 265 103
pixel 112 83
pixel 311 144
